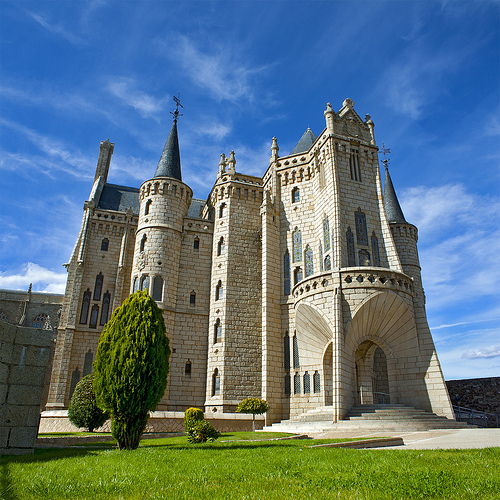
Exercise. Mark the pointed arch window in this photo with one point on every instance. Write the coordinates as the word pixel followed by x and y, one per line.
pixel 157 288
pixel 309 264
pixel 217 332
pixel 375 250
pixel 192 299
pixel 3 317
pixel 361 232
pixel 328 263
pixel 354 166
pixel 187 368
pixel 94 314
pixel 143 243
pixel 135 287
pixel 216 383
pixel 222 210
pixel 106 300
pixel 321 267
pixel 286 272
pixel 84 314
pixel 316 382
pixel 196 244
pixel 286 350
pixel 75 378
pixel 219 291
pixel 307 383
pixel 147 207
pixel 42 321
pixel 87 364
pixel 297 245
pixel 326 233
pixel 104 244
pixel 221 246
pixel 297 275
pixel 295 195
pixel 98 286
pixel 145 283
pixel 364 258
pixel 351 255
pixel 296 360
pixel 296 384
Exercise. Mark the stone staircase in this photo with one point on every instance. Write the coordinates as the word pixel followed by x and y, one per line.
pixel 364 418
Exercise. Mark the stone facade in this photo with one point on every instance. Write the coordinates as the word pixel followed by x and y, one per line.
pixel 301 286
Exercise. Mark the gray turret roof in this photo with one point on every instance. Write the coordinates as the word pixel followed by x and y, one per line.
pixel 170 161
pixel 391 203
pixel 305 143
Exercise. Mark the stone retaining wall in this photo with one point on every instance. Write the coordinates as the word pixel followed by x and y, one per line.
pixel 482 394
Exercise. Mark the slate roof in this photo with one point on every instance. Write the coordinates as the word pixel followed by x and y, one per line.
pixel 119 198
pixel 391 203
pixel 170 161
pixel 305 142
pixel 195 208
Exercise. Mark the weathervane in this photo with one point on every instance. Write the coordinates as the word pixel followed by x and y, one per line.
pixel 383 150
pixel 178 103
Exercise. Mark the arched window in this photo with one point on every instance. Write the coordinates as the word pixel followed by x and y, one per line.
pixel 364 258
pixel 106 300
pixel 187 368
pixel 217 331
pixel 221 246
pixel 94 315
pixel 351 259
pixel 328 263
pixel 375 250
pixel 308 258
pixel 192 299
pixel 196 244
pixel 286 272
pixel 145 283
pixel 296 384
pixel 75 378
pixel 296 360
pixel 307 383
pixel 354 166
pixel 295 195
pixel 297 245
pixel 222 210
pixel 85 307
pixel 3 317
pixel 157 288
pixel 321 267
pixel 286 350
pixel 287 385
pixel 361 232
pixel 326 233
pixel 147 207
pixel 316 382
pixel 215 383
pixel 42 321
pixel 143 243
pixel 136 285
pixel 219 291
pixel 104 244
pixel 87 364
pixel 98 286
pixel 297 275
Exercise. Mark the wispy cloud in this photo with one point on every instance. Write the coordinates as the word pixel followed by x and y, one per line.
pixel 492 351
pixel 463 323
pixel 43 279
pixel 57 29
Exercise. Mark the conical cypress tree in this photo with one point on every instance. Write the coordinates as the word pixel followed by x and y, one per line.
pixel 131 367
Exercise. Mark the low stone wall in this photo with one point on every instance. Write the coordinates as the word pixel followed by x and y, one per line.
pixel 24 355
pixel 159 421
pixel 482 394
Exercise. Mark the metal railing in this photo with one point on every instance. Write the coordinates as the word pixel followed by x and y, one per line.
pixel 381 398
pixel 475 417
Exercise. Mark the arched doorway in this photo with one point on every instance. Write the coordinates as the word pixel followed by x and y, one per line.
pixel 328 376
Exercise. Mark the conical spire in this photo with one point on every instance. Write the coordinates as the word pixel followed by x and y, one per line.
pixel 170 161
pixel 305 142
pixel 391 203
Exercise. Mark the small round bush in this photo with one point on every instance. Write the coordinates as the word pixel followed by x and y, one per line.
pixel 255 406
pixel 201 431
pixel 194 414
pixel 82 410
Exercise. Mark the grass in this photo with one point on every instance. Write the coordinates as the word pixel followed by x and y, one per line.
pixel 171 468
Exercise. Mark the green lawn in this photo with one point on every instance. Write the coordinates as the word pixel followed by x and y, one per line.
pixel 171 468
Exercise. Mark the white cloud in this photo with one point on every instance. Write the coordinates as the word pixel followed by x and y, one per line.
pixel 57 29
pixel 492 351
pixel 43 280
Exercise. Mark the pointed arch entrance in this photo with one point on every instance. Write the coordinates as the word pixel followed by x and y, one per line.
pixel 372 377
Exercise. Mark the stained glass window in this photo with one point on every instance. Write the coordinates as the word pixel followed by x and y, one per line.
pixel 136 285
pixel 375 250
pixel 309 261
pixel 316 382
pixel 286 350
pixel 145 283
pixel 328 263
pixel 296 384
pixel 286 272
pixel 85 307
pixel 295 195
pixel 297 275
pixel 105 310
pixel 42 321
pixel 361 232
pixel 351 259
pixel 157 288
pixel 296 362
pixel 297 245
pixel 321 267
pixel 94 314
pixel 98 286
pixel 326 233
pixel 364 258
pixel 307 383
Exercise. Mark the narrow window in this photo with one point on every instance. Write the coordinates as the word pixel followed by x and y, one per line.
pixel 215 383
pixel 328 263
pixel 87 364
pixel 187 368
pixel 143 243
pixel 196 244
pixel 296 384
pixel 286 272
pixel 295 195
pixel 321 267
pixel 296 361
pixel 106 300
pixel 217 331
pixel 297 245
pixel 104 244
pixel 42 321
pixel 307 383
pixel 145 283
pixel 136 285
pixel 364 258
pixel 219 291
pixel 287 385
pixel 354 166
pixel 375 250
pixel 75 378
pixel 361 232
pixel 309 265
pixel 98 286
pixel 157 288
pixel 297 275
pixel 94 314
pixel 326 233
pixel 221 246
pixel 316 382
pixel 222 210
pixel 286 350
pixel 351 259
pixel 147 207
pixel 192 299
pixel 85 307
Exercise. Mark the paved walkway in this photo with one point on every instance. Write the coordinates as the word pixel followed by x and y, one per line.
pixel 430 440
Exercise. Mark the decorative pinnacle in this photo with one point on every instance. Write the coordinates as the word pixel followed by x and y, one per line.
pixel 178 103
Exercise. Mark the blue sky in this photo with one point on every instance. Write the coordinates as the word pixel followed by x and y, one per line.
pixel 74 73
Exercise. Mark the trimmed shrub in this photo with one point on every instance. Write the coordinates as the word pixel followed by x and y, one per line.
pixel 255 406
pixel 83 410
pixel 131 367
pixel 192 414
pixel 201 431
